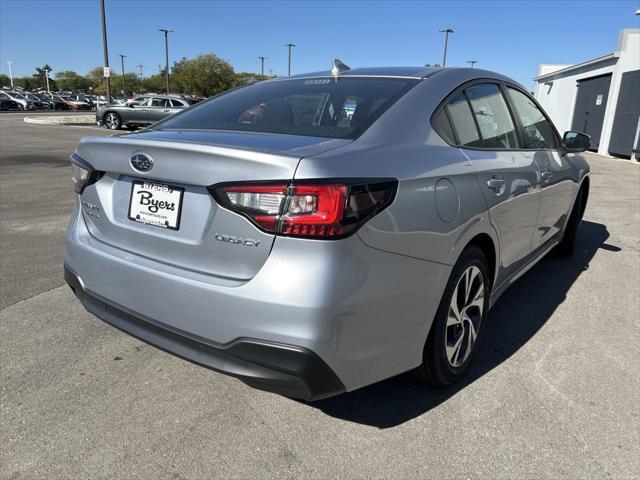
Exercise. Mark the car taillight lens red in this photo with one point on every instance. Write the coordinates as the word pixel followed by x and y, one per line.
pixel 313 210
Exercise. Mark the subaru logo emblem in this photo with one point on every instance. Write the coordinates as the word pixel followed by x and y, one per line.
pixel 141 162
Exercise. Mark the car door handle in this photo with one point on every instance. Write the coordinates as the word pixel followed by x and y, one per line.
pixel 495 183
pixel 166 111
pixel 547 175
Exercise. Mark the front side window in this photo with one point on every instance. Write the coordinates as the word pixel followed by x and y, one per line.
pixel 140 100
pixel 322 107
pixel 462 122
pixel 538 132
pixel 492 116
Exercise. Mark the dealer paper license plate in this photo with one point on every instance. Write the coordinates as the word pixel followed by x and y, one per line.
pixel 156 204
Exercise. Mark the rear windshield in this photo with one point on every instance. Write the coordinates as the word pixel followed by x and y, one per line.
pixel 320 107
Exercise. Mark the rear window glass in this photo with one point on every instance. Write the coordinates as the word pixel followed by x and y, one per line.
pixel 320 107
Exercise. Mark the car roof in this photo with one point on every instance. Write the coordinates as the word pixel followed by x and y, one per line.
pixel 453 74
pixel 413 72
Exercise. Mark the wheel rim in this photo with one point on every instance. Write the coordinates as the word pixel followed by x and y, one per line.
pixel 464 316
pixel 111 121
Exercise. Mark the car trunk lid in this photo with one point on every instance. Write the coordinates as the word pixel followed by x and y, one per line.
pixel 207 237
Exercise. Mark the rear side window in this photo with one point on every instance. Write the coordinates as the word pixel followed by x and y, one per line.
pixel 462 122
pixel 537 130
pixel 160 102
pixel 177 103
pixel 340 107
pixel 492 116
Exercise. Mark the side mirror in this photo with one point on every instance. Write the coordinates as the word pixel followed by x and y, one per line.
pixel 575 142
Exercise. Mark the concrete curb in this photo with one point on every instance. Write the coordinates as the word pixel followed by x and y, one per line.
pixel 62 120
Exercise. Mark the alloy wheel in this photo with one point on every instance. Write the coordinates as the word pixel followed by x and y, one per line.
pixel 464 316
pixel 112 121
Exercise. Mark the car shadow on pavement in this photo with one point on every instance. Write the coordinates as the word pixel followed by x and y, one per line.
pixel 515 319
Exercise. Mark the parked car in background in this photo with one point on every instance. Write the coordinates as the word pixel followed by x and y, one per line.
pixel 54 102
pixel 35 98
pixel 76 104
pixel 77 97
pixel 142 112
pixel 7 103
pixel 310 252
pixel 27 104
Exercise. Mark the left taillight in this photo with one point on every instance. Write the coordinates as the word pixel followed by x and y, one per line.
pixel 82 174
pixel 323 210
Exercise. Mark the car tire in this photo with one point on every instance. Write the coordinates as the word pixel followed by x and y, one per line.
pixel 567 245
pixel 20 108
pixel 112 121
pixel 457 326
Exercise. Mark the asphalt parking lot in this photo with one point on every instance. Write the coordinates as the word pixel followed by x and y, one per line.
pixel 554 392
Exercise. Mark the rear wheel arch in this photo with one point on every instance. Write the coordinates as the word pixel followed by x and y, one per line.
pixel 485 243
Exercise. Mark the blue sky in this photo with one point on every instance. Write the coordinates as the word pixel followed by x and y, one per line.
pixel 508 36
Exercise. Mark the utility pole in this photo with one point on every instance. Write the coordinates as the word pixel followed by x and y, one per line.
pixel 106 49
pixel 446 32
pixel 472 62
pixel 140 67
pixel 46 77
pixel 289 45
pixel 10 73
pixel 124 85
pixel 262 69
pixel 166 55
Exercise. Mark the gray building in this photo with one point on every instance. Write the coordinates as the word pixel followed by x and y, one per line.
pixel 600 97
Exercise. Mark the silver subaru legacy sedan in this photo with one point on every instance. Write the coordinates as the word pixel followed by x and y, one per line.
pixel 311 235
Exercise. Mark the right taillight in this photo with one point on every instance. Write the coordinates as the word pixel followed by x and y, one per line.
pixel 326 209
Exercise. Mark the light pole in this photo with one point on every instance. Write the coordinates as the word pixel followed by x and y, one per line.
pixel 124 86
pixel 10 73
pixel 140 67
pixel 166 55
pixel 446 32
pixel 46 77
pixel 262 69
pixel 472 62
pixel 106 50
pixel 289 45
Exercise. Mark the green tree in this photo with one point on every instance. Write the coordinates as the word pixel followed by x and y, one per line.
pixel 39 78
pixel 70 80
pixel 96 80
pixel 154 83
pixel 27 83
pixel 5 81
pixel 204 75
pixel 243 78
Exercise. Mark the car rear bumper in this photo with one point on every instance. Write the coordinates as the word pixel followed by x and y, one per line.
pixel 364 313
pixel 284 369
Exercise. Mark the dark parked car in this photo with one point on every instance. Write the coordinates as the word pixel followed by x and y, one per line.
pixel 145 112
pixel 25 103
pixel 55 103
pixel 8 104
